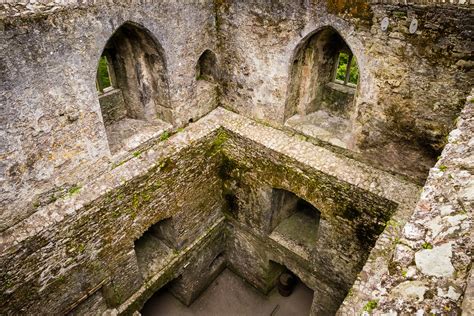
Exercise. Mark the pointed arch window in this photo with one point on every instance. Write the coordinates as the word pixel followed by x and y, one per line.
pixel 132 85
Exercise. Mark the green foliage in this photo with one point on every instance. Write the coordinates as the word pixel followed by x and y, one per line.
pixel 74 189
pixel 165 136
pixel 443 168
pixel 371 305
pixel 342 68
pixel 354 76
pixel 427 245
pixel 103 73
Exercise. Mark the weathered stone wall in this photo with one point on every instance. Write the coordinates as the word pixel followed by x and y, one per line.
pixel 403 110
pixel 428 265
pixel 351 220
pixel 51 125
pixel 71 212
pixel 339 99
pixel 90 238
pixel 112 106
pixel 79 252
pixel 200 271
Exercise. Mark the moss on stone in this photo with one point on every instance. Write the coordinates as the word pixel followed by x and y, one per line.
pixel 371 305
pixel 427 245
pixel 231 207
pixel 360 9
pixel 367 233
pixel 166 164
pixel 351 212
pixel 118 164
pixel 74 189
pixel 137 153
pixel 217 144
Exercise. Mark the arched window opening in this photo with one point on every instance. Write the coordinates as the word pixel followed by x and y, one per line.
pixel 206 68
pixel 132 83
pixel 294 222
pixel 154 247
pixel 323 83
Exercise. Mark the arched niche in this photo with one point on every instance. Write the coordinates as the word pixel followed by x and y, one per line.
pixel 206 67
pixel 324 78
pixel 207 85
pixel 289 211
pixel 132 84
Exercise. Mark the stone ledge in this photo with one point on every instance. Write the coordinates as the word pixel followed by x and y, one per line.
pixel 351 171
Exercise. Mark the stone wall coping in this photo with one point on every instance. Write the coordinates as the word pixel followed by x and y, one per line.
pixel 26 8
pixel 365 177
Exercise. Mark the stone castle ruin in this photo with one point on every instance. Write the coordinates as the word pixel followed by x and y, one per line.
pixel 150 145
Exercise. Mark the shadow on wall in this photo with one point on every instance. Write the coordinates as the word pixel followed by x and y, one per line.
pixel 206 68
pixel 132 83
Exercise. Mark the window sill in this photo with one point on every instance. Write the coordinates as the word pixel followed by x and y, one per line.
pixel 108 91
pixel 348 89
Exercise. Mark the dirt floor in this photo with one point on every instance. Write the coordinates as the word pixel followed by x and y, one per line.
pixel 229 295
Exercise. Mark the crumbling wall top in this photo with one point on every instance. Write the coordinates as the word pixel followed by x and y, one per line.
pixel 26 8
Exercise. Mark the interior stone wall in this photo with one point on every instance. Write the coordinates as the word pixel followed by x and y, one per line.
pixel 77 253
pixel 140 72
pixel 54 128
pixel 71 212
pixel 429 268
pixel 89 245
pixel 350 222
pixel 402 112
pixel 112 106
pixel 312 69
pixel 338 99
pixel 51 125
pixel 200 271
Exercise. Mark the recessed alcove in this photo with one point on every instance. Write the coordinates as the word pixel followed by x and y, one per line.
pixel 132 87
pixel 323 86
pixel 207 84
pixel 153 249
pixel 294 223
pixel 206 68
